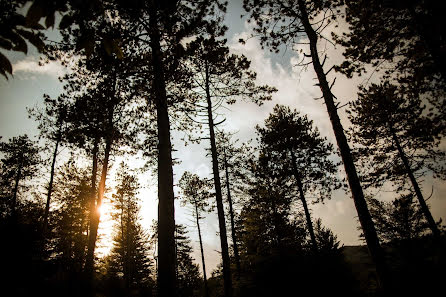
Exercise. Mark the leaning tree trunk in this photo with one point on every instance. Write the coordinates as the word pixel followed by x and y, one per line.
pixel 227 279
pixel 166 280
pixel 197 217
pixel 413 180
pixel 231 215
pixel 50 184
pixel 368 227
pixel 304 203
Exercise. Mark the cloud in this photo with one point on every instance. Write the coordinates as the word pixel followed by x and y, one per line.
pixel 30 68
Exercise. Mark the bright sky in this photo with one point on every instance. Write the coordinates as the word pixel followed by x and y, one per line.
pixel 296 89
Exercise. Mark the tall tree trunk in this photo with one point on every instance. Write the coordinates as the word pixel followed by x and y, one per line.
pixel 413 180
pixel 166 212
pixel 50 184
pixel 127 270
pixel 227 279
pixel 15 190
pixel 95 217
pixel 368 227
pixel 231 215
pixel 304 203
pixel 197 217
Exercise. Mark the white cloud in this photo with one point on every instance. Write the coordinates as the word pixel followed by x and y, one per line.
pixel 30 67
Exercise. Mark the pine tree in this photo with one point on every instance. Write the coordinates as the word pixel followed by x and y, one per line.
pixel 69 224
pixel 402 40
pixel 282 23
pixel 187 272
pixel 196 192
pixel 130 253
pixel 19 163
pixel 299 151
pixel 220 78
pixel 397 139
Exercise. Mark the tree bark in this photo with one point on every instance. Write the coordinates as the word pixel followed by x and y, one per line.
pixel 413 180
pixel 304 203
pixel 197 217
pixel 364 216
pixel 166 213
pixel 227 279
pixel 231 215
pixel 50 184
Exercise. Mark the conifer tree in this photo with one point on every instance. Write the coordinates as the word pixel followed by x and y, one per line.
pixel 397 140
pixel 130 253
pixel 196 192
pixel 221 78
pixel 299 151
pixel 52 125
pixel 19 163
pixel 70 218
pixel 281 23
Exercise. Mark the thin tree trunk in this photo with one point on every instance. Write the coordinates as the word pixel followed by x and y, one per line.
pixel 166 212
pixel 197 217
pixel 15 190
pixel 368 227
pixel 227 279
pixel 127 271
pixel 231 214
pixel 50 184
pixel 424 207
pixel 304 203
pixel 95 217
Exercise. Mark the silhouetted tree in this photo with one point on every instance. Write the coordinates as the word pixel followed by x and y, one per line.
pixel 221 78
pixel 188 275
pixel 397 140
pixel 53 127
pixel 232 160
pixel 297 148
pixel 196 192
pixel 282 23
pixel 402 40
pixel 70 221
pixel 398 220
pixel 130 254
pixel 19 163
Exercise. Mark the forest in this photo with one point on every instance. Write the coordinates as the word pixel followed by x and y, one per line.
pixel 142 78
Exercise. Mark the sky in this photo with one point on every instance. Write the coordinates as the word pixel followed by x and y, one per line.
pixel 295 89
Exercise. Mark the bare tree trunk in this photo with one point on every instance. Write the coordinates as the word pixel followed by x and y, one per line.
pixel 304 203
pixel 197 217
pixel 166 213
pixel 227 279
pixel 15 190
pixel 413 180
pixel 365 218
pixel 231 214
pixel 95 217
pixel 50 184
